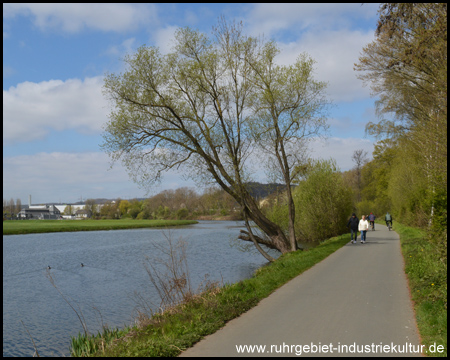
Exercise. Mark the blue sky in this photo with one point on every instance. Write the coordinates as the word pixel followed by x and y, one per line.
pixel 56 55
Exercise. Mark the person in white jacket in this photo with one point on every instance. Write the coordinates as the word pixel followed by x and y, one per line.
pixel 363 227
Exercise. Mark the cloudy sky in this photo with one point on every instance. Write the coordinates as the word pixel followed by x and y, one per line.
pixel 56 55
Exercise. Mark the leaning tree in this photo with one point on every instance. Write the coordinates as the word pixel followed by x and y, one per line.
pixel 219 107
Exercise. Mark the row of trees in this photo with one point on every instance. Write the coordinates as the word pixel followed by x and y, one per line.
pixel 406 67
pixel 181 203
pixel 11 208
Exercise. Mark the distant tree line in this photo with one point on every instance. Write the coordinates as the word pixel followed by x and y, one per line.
pixel 11 208
pixel 182 203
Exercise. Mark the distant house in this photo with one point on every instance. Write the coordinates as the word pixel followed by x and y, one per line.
pixel 81 213
pixel 74 207
pixel 49 212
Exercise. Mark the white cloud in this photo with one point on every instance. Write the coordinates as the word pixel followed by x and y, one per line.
pixel 129 45
pixel 5 30
pixel 340 149
pixel 71 17
pixel 60 176
pixel 191 17
pixel 30 110
pixel 164 38
pixel 7 71
pixel 64 176
pixel 50 177
pixel 67 168
pixel 335 53
pixel 270 18
pixel 333 34
pixel 126 47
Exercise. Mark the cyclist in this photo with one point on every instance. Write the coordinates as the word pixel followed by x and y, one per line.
pixel 372 220
pixel 388 219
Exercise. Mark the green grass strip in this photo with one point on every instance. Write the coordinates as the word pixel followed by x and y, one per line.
pixel 15 227
pixel 426 268
pixel 181 327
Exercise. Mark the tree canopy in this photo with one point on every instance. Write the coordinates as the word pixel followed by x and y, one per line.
pixel 207 107
pixel 406 67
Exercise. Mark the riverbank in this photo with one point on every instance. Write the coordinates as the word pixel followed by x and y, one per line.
pixel 180 327
pixel 219 218
pixel 16 227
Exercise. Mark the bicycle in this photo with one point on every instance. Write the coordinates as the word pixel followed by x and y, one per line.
pixel 389 225
pixel 372 225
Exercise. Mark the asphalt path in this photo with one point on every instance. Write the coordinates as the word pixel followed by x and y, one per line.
pixel 356 302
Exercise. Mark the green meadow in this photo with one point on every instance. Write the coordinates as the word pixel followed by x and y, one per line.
pixel 15 227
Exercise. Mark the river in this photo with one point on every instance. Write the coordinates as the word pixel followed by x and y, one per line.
pixel 112 284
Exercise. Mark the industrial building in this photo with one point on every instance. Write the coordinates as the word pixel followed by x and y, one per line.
pixel 48 212
pixel 40 212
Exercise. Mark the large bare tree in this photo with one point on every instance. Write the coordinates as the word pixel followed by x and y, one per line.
pixel 203 107
pixel 290 108
pixel 360 159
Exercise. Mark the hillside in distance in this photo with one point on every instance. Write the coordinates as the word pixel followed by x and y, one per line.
pixel 256 189
pixel 260 191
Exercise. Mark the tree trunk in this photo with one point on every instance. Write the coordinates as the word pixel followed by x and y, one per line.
pixel 278 239
pixel 291 208
pixel 255 242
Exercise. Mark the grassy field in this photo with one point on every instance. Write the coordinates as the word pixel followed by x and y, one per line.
pixel 14 227
pixel 180 327
pixel 426 268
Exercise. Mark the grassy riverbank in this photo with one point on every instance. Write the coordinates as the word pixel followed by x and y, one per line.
pixel 14 227
pixel 182 326
pixel 426 268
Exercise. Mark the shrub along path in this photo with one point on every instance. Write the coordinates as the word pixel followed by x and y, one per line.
pixel 357 298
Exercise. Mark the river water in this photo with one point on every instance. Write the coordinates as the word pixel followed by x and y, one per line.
pixel 112 284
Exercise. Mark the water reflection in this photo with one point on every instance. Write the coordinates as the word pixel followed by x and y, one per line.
pixel 104 289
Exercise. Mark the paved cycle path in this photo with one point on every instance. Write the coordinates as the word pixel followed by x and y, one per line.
pixel 357 299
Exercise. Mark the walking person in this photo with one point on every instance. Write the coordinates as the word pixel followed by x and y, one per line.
pixel 372 221
pixel 363 227
pixel 353 224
